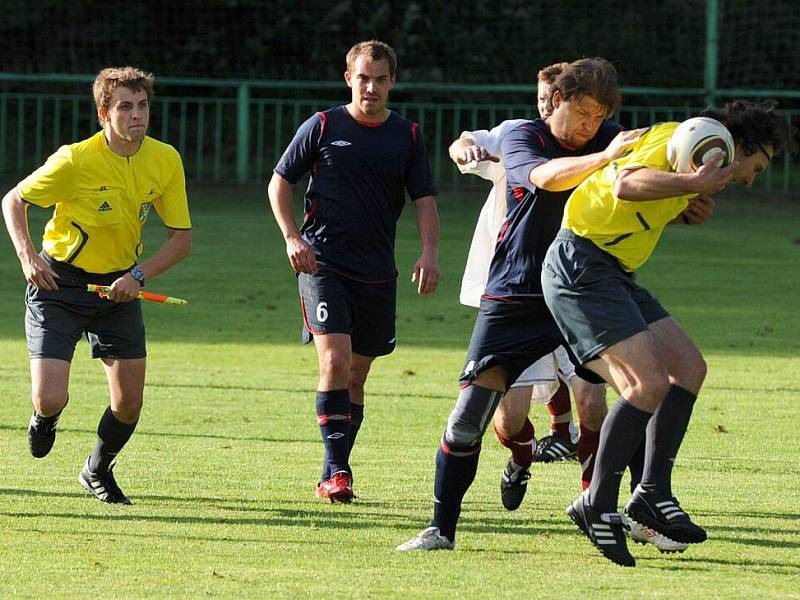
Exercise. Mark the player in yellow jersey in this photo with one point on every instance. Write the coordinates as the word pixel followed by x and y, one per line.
pixel 101 190
pixel 618 330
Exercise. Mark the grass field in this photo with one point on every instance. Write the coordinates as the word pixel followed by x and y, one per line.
pixel 223 465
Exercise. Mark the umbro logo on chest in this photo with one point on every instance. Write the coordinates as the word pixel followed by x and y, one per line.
pixel 341 143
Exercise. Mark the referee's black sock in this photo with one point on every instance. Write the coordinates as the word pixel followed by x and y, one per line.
pixel 333 417
pixel 112 435
pixel 636 465
pixel 664 436
pixel 621 433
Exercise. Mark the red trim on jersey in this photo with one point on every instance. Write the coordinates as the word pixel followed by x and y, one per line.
pixel 570 148
pixel 305 319
pixel 324 122
pixel 503 230
pixel 541 139
pixel 370 123
pixel 518 193
pixel 414 132
pixel 312 209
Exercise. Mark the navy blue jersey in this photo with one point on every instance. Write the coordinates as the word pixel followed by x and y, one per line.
pixel 360 173
pixel 533 215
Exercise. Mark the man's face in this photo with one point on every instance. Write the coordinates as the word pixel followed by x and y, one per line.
pixel 575 122
pixel 127 116
pixel 751 166
pixel 370 82
pixel 542 94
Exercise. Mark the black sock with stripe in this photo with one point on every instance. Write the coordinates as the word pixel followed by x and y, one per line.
pixel 455 472
pixel 333 417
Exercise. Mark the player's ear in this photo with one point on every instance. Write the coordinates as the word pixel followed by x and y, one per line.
pixel 102 115
pixel 555 99
pixel 348 79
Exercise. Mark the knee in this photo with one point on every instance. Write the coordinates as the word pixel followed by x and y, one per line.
pixel 335 365
pixel 129 407
pixel 48 402
pixel 698 369
pixel 462 432
pixel 649 391
pixel 590 402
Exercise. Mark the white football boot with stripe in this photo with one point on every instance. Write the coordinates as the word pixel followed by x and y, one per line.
pixel 644 535
pixel 429 538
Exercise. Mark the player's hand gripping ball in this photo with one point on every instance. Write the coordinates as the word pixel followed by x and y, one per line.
pixel 698 140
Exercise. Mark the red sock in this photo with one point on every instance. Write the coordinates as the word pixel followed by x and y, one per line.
pixel 561 412
pixel 587 452
pixel 520 444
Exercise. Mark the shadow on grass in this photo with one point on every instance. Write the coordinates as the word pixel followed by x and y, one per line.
pixel 172 434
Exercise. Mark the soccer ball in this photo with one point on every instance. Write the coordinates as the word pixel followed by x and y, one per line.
pixel 696 140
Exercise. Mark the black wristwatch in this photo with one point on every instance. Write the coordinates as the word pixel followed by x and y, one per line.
pixel 137 274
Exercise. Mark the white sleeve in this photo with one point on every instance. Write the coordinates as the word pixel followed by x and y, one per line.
pixel 492 140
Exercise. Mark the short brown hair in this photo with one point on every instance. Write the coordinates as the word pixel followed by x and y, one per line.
pixel 593 77
pixel 110 78
pixel 374 50
pixel 548 74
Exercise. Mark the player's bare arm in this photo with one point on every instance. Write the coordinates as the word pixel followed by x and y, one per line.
pixel 301 255
pixel 642 184
pixel 465 150
pixel 37 272
pixel 568 172
pixel 426 269
pixel 175 249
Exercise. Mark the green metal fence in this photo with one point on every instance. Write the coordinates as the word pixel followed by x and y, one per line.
pixel 232 130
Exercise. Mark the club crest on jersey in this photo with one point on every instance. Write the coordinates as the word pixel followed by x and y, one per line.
pixel 144 210
pixel 341 143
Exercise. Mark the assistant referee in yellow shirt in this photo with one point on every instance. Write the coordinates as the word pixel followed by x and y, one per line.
pixel 101 190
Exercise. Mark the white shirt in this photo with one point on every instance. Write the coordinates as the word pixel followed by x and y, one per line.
pixel 492 214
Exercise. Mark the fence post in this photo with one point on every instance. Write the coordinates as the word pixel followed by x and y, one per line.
pixel 712 51
pixel 243 132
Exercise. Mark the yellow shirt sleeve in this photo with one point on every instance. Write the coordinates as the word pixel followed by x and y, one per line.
pixel 173 205
pixel 53 182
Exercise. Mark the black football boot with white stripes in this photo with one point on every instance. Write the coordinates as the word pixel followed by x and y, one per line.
pixel 514 484
pixel 606 531
pixel 102 486
pixel 42 434
pixel 663 514
pixel 552 448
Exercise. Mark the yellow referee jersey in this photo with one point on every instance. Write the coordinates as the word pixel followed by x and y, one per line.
pixel 102 200
pixel 627 230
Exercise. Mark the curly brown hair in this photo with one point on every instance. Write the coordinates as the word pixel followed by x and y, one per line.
pixel 755 125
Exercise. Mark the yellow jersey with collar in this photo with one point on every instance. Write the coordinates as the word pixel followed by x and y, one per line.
pixel 627 230
pixel 102 200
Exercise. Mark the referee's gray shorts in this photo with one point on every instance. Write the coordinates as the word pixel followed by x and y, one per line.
pixel 593 300
pixel 55 321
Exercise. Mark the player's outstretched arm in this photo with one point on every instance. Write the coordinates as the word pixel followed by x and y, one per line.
pixel 301 255
pixel 466 150
pixel 426 269
pixel 568 172
pixel 37 272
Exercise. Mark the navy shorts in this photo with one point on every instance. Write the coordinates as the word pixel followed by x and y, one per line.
pixel 512 335
pixel 55 321
pixel 333 303
pixel 594 301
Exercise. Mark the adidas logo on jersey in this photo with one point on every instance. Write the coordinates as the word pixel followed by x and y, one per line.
pixel 104 207
pixel 341 143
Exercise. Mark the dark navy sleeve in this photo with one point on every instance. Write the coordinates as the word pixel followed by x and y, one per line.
pixel 302 151
pixel 419 180
pixel 523 151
